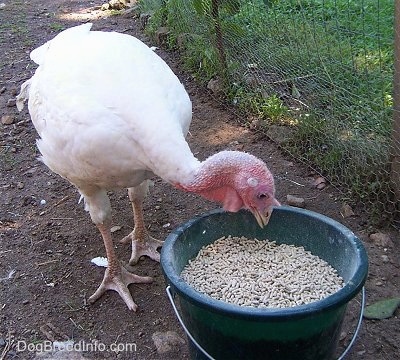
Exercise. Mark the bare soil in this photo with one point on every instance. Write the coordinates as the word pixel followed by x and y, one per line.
pixel 47 240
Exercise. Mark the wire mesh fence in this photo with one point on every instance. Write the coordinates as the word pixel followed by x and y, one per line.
pixel 319 73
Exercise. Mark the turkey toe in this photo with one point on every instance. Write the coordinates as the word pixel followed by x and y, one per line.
pixel 119 282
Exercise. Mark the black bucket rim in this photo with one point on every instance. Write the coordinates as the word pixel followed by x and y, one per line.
pixel 336 300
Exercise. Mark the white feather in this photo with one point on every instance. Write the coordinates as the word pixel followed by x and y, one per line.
pixel 100 261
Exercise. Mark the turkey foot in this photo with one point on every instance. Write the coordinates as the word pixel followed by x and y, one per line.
pixel 119 281
pixel 142 243
pixel 146 247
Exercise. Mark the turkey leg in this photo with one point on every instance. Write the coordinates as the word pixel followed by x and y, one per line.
pixel 116 277
pixel 142 243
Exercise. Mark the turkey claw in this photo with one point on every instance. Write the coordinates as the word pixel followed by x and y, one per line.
pixel 119 283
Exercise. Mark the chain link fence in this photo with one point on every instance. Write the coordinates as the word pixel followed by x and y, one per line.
pixel 314 75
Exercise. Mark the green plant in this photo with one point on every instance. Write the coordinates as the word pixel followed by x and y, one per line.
pixel 273 108
pixel 56 27
pixel 269 108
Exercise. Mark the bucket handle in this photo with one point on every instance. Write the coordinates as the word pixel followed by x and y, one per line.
pixel 353 339
pixel 341 357
pixel 171 299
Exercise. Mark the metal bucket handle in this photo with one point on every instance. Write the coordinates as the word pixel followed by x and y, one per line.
pixel 171 299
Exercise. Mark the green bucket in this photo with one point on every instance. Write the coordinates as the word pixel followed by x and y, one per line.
pixel 219 330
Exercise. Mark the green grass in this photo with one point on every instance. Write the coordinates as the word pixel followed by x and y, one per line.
pixel 322 67
pixel 56 27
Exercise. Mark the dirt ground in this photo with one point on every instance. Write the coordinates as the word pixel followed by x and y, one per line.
pixel 47 240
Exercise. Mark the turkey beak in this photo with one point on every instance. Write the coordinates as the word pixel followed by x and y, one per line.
pixel 263 217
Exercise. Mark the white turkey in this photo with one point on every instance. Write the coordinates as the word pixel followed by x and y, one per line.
pixel 105 126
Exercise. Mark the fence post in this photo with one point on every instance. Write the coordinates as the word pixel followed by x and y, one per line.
pixel 395 168
pixel 219 39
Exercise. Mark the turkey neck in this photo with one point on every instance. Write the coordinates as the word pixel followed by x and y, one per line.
pixel 223 169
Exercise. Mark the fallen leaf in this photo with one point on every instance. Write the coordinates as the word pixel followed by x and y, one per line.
pixel 382 309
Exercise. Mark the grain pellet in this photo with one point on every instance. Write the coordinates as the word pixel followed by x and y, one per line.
pixel 260 273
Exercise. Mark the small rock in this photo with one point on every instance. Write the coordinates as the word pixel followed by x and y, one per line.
pixel 162 35
pixel 115 228
pixel 379 283
pixel 167 341
pixel 2 342
pixel 381 239
pixel 25 302
pixel 287 163
pixel 28 200
pixel 11 102
pixel 2 5
pixel 116 5
pixel 295 201
pixel 319 182
pixel 342 336
pixel 385 258
pixel 3 89
pixel 347 211
pixel 31 171
pixel 131 12
pixel 119 4
pixel 20 185
pixel 215 86
pixel 7 119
